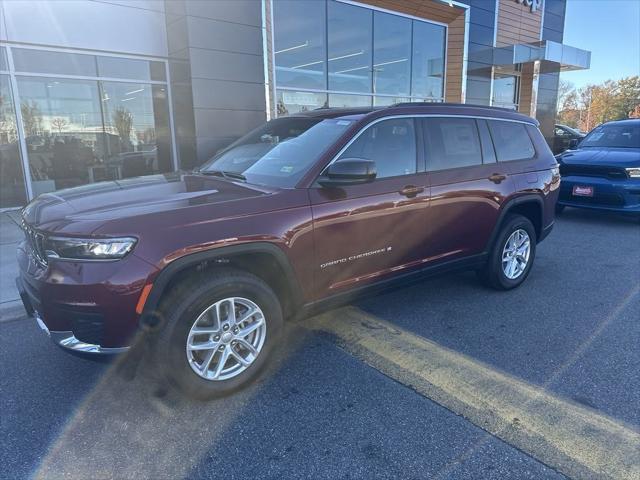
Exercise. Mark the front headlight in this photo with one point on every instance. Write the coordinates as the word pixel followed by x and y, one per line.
pixel 88 248
pixel 633 172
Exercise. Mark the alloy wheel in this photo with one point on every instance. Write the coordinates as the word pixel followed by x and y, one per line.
pixel 226 338
pixel 515 255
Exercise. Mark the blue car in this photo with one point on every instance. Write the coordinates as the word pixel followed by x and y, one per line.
pixel 603 170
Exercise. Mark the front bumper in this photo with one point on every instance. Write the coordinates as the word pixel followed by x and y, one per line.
pixel 85 307
pixel 621 196
pixel 64 339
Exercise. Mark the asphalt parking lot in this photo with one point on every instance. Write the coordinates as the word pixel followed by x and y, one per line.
pixel 442 379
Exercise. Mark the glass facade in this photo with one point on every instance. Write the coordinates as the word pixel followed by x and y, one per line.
pixel 83 118
pixel 505 91
pixel 329 53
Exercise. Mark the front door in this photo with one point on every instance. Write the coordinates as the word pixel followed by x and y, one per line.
pixel 367 232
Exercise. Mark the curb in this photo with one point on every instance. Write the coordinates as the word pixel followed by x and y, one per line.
pixel 12 310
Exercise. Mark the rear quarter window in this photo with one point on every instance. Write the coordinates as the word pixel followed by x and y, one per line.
pixel 511 141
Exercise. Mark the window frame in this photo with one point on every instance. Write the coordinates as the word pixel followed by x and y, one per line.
pixel 14 73
pixel 420 150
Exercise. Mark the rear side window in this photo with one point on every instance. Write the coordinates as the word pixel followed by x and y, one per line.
pixel 452 143
pixel 389 143
pixel 511 141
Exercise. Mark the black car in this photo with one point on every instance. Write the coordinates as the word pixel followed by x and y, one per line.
pixel 562 137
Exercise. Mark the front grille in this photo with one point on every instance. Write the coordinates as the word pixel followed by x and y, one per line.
pixel 604 199
pixel 613 173
pixel 36 241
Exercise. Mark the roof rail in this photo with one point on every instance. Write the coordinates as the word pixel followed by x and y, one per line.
pixel 450 104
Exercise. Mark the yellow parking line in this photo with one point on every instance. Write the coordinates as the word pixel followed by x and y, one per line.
pixel 575 440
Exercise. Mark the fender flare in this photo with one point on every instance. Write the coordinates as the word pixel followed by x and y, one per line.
pixel 149 319
pixel 507 207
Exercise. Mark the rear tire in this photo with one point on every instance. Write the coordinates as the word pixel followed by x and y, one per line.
pixel 216 305
pixel 512 255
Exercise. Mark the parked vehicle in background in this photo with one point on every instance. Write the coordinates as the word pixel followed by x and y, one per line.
pixel 603 172
pixel 302 213
pixel 564 137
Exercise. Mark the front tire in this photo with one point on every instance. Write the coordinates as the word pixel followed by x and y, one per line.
pixel 512 255
pixel 219 333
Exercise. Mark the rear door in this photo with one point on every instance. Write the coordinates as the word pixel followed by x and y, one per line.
pixel 467 186
pixel 365 233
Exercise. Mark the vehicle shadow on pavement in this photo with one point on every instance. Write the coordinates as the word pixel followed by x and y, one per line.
pixel 603 218
pixel 133 423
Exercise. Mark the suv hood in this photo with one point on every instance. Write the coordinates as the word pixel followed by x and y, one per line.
pixel 609 157
pixel 84 209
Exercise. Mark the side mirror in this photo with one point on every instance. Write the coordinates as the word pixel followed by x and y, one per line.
pixel 573 143
pixel 348 171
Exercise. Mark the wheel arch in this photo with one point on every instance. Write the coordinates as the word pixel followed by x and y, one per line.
pixel 530 206
pixel 262 259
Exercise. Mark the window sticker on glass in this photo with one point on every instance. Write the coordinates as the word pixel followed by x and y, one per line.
pixel 458 139
pixel 342 123
pixel 287 169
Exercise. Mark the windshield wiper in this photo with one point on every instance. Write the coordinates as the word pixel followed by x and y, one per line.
pixel 224 174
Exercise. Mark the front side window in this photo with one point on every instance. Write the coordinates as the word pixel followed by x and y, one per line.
pixel 279 153
pixel 511 141
pixel 452 143
pixel 391 144
pixel 616 136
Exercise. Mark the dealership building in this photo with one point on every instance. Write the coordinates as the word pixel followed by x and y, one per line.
pixel 94 90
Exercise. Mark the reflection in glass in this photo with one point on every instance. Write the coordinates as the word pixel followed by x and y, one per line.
pixel 386 101
pixel 78 131
pixel 38 61
pixel 505 91
pixel 4 64
pixel 337 100
pixel 299 43
pixel 63 131
pixel 391 54
pixel 427 77
pixel 114 67
pixel 349 47
pixel 289 102
pixel 136 123
pixel 12 187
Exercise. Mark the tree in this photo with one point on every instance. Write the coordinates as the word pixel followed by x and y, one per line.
pixel 59 123
pixel 123 121
pixel 565 89
pixel 31 118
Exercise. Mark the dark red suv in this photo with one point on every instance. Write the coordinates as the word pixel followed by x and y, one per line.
pixel 301 213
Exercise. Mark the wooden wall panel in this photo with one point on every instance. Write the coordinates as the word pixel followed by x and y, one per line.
pixel 517 23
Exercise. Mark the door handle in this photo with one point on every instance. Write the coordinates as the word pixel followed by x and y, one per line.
pixel 497 178
pixel 411 191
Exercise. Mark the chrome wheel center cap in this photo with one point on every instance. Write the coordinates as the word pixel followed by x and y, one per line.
pixel 227 336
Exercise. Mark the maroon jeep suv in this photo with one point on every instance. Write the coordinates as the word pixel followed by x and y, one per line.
pixel 302 213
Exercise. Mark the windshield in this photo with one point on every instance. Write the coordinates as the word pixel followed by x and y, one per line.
pixel 612 135
pixel 279 153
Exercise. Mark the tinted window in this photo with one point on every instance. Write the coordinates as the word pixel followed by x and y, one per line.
pixel 511 141
pixel 389 143
pixel 452 143
pixel 300 47
pixel 349 31
pixel 620 135
pixel 26 60
pixel 428 60
pixel 391 54
pixel 130 68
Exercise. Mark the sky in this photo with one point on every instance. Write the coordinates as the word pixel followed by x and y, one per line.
pixel 610 30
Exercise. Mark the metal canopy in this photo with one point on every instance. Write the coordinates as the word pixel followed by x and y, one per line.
pixel 568 58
